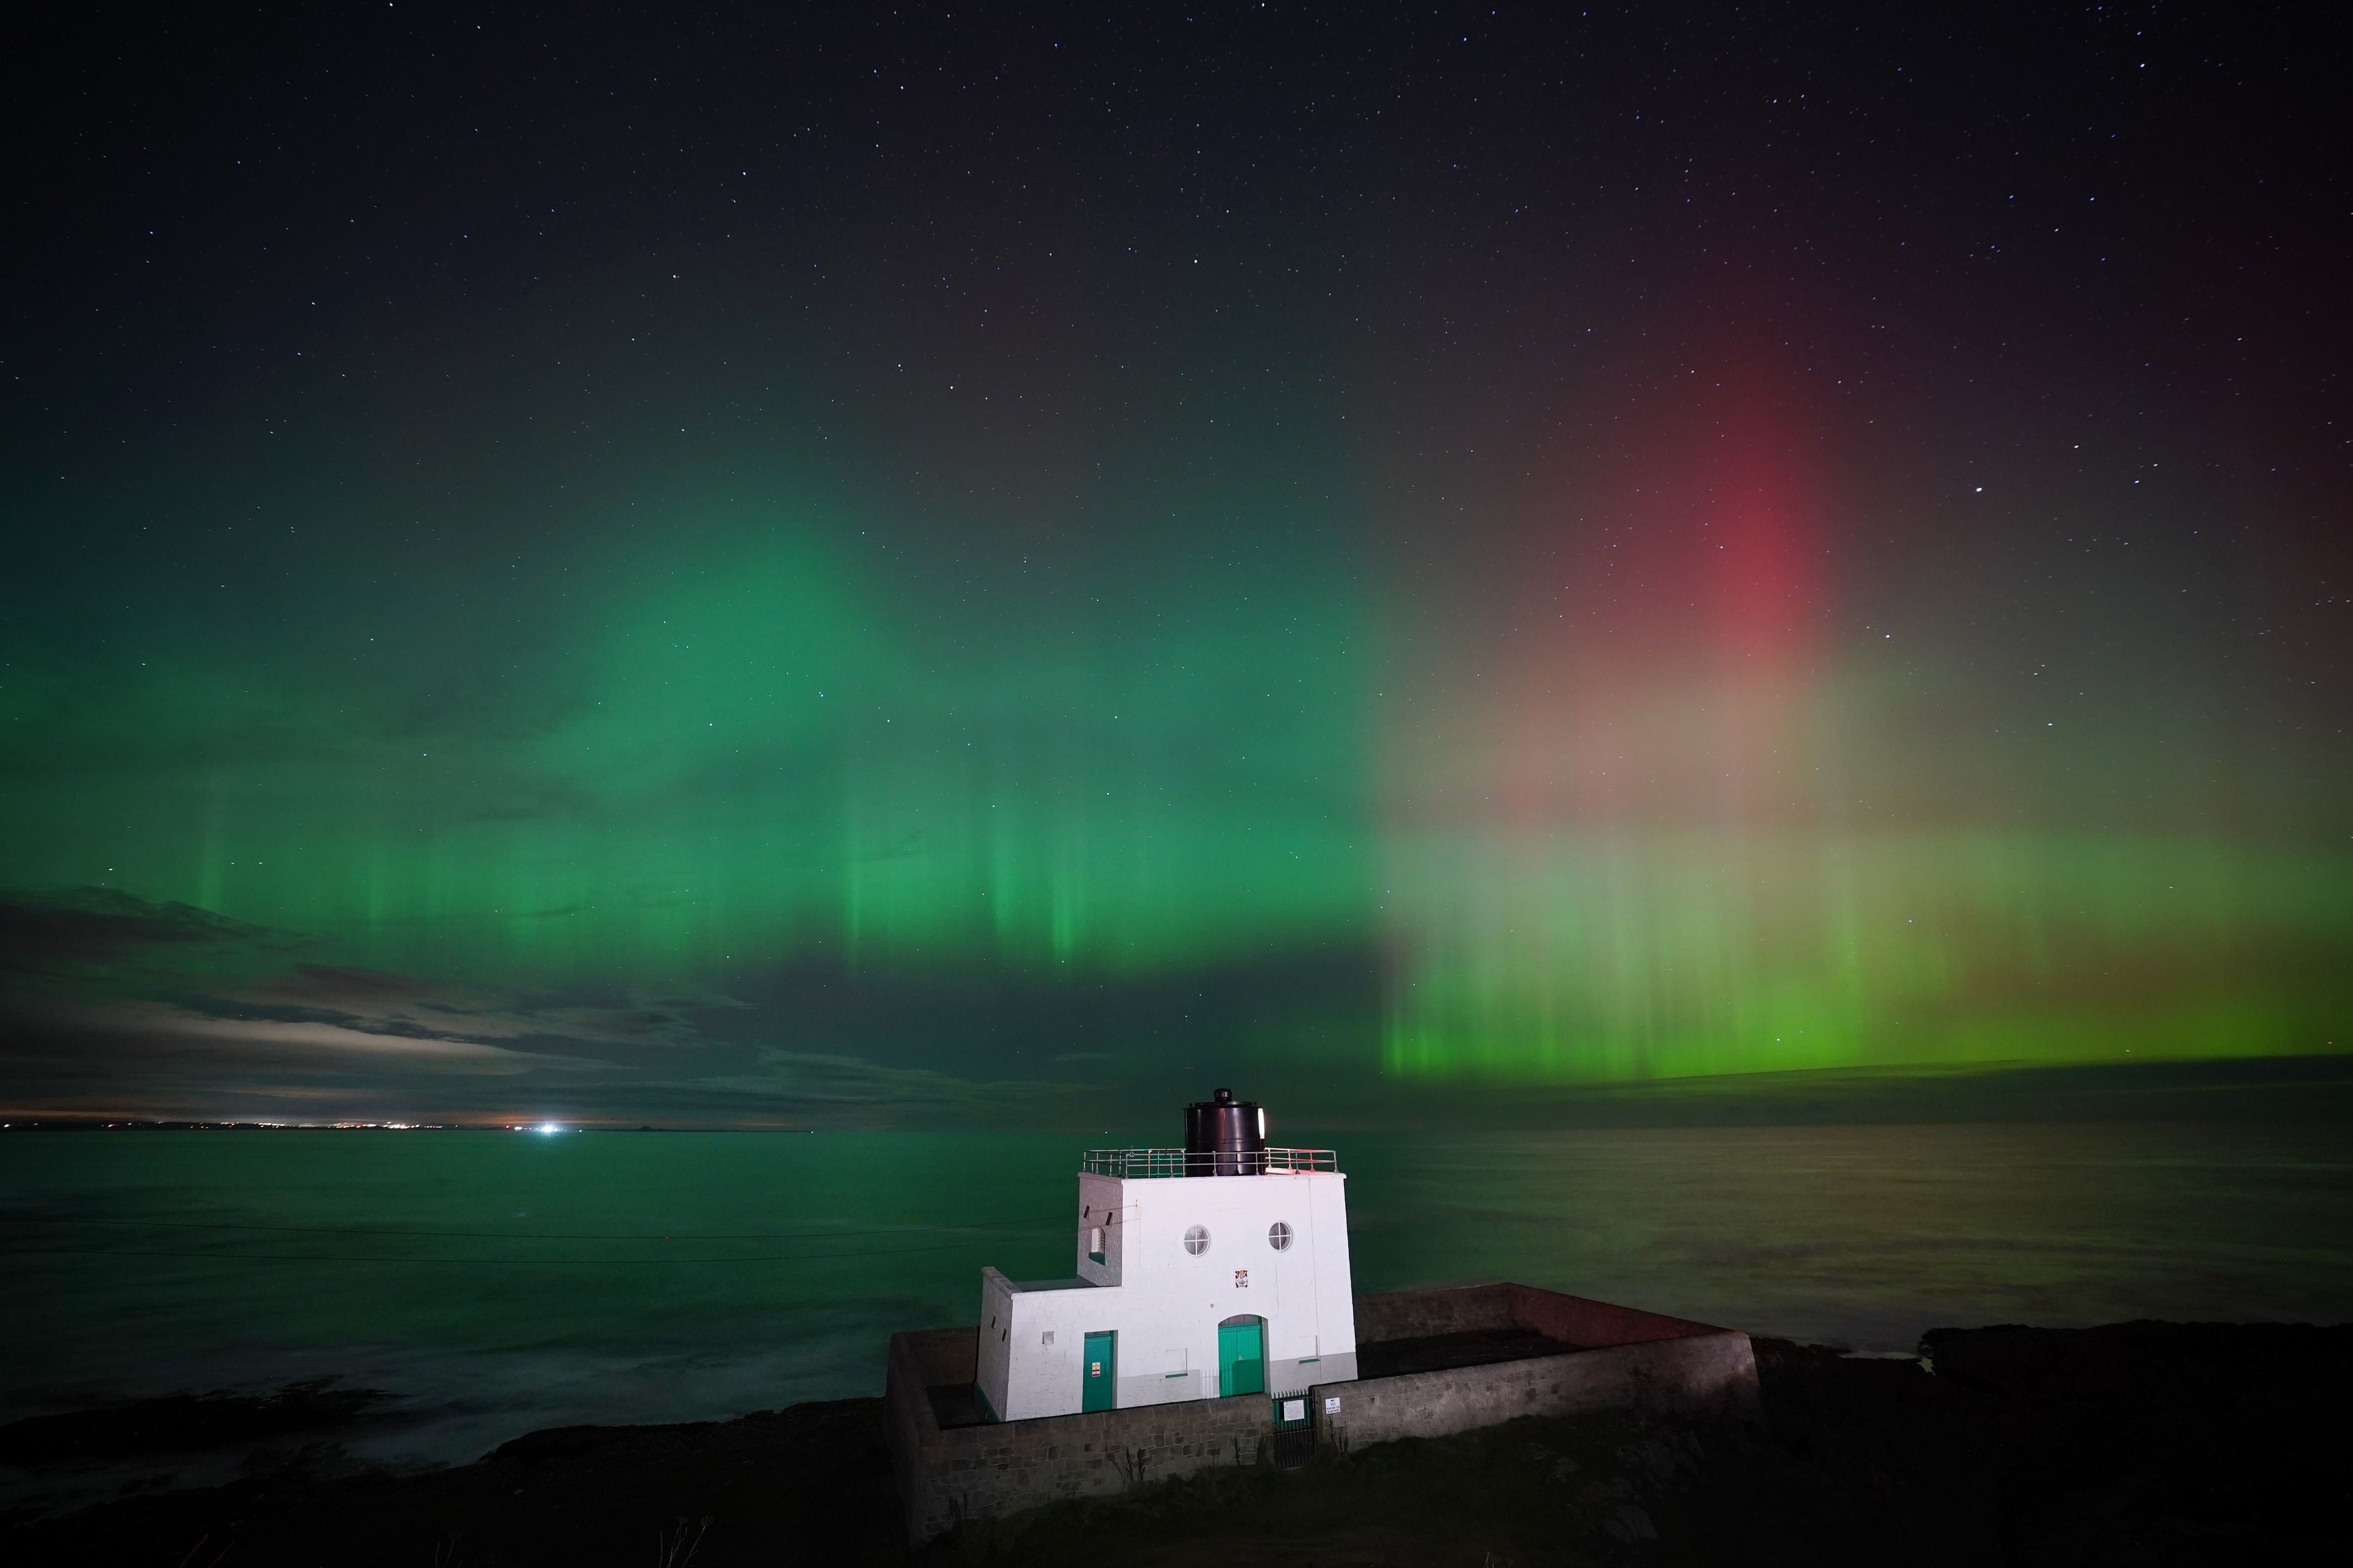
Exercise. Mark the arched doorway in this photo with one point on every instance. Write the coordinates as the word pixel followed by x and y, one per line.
pixel 1241 1356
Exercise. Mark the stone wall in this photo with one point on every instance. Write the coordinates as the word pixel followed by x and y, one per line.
pixel 1595 1325
pixel 948 1474
pixel 1710 1370
pixel 922 1360
pixel 1574 1320
pixel 1418 1314
pixel 1610 1358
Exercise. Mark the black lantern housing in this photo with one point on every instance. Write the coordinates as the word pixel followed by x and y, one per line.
pixel 1225 1137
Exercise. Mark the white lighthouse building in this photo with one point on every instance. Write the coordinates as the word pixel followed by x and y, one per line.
pixel 1209 1271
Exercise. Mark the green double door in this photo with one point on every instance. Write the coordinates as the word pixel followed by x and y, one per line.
pixel 1100 1371
pixel 1241 1356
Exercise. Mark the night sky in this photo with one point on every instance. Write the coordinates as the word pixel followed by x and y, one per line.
pixel 943 564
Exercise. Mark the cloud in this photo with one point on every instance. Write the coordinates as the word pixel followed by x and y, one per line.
pixel 605 1023
pixel 311 1040
pixel 76 929
pixel 114 1006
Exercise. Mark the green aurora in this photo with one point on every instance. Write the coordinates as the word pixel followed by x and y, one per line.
pixel 851 621
pixel 779 745
pixel 751 749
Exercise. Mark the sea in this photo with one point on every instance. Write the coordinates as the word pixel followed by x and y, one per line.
pixel 491 1283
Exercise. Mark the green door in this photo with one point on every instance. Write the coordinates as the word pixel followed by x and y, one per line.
pixel 1241 1356
pixel 1101 1367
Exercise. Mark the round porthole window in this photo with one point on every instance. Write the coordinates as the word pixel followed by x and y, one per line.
pixel 1196 1239
pixel 1278 1237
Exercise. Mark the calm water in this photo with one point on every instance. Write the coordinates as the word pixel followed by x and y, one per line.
pixel 498 1282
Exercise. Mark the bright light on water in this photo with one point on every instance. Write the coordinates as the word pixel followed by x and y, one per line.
pixel 550 1128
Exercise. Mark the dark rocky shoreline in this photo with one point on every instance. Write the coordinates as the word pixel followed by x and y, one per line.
pixel 2139 1443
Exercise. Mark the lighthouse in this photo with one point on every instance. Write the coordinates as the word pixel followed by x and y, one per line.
pixel 1209 1271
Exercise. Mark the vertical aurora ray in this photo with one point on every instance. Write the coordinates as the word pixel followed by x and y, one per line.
pixel 1503 576
pixel 764 748
pixel 1553 955
pixel 1650 820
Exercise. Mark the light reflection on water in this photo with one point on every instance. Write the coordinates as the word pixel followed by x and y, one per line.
pixel 662 1277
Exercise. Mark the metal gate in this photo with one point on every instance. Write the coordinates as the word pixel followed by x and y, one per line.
pixel 1292 1442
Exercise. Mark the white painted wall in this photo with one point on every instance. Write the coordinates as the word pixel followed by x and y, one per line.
pixel 1100 1213
pixel 1165 1304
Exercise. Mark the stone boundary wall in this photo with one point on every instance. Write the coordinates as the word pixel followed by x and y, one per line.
pixel 1574 1320
pixel 1611 1358
pixel 949 1474
pixel 921 1360
pixel 1696 1372
pixel 1417 1314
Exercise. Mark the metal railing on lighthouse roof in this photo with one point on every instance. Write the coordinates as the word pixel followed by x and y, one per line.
pixel 1134 1163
